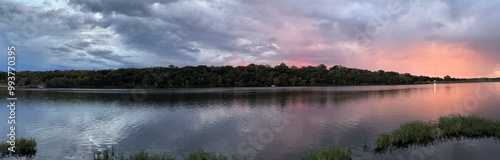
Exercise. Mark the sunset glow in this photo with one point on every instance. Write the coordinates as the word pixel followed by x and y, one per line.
pixel 428 58
pixel 425 37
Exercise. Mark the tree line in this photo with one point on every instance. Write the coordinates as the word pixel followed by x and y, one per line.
pixel 216 76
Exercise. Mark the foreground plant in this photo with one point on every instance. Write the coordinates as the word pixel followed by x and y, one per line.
pixel 414 133
pixel 143 155
pixel 451 127
pixel 25 147
pixel 108 154
pixel 473 127
pixel 337 153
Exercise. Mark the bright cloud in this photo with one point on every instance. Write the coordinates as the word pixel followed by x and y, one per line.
pixel 459 37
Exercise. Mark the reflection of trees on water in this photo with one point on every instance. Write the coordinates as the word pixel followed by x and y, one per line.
pixel 205 98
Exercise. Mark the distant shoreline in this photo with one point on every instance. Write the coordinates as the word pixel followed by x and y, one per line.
pixel 79 87
pixel 203 76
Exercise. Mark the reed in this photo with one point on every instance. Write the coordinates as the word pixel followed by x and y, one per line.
pixel 108 154
pixel 450 127
pixel 143 155
pixel 4 149
pixel 414 133
pixel 204 155
pixel 472 127
pixel 382 143
pixel 337 153
pixel 112 154
pixel 25 147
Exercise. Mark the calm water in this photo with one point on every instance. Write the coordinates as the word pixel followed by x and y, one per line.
pixel 270 123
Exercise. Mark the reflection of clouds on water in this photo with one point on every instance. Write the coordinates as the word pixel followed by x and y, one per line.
pixel 108 128
pixel 324 124
pixel 318 120
pixel 77 130
pixel 206 118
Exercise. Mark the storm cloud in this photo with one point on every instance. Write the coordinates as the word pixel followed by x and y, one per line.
pixel 416 36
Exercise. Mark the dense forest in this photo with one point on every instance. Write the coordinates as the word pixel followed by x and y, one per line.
pixel 216 76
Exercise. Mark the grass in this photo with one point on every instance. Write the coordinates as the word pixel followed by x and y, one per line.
pixel 143 155
pixel 337 153
pixel 204 155
pixel 383 142
pixel 414 133
pixel 446 128
pixel 473 127
pixel 25 147
pixel 108 154
pixel 4 149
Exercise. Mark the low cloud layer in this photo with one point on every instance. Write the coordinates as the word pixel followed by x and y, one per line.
pixel 455 37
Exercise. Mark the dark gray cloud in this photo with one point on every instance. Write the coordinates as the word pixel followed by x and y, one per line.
pixel 106 54
pixel 59 50
pixel 140 8
pixel 80 45
pixel 221 32
pixel 193 50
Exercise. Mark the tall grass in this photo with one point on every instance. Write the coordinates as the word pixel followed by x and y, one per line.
pixel 337 153
pixel 446 128
pixel 457 127
pixel 143 155
pixel 204 155
pixel 108 154
pixel 4 149
pixel 24 147
pixel 383 142
pixel 414 133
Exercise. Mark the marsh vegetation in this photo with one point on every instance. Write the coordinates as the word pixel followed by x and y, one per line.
pixel 453 127
pixel 24 147
pixel 335 153
pixel 113 154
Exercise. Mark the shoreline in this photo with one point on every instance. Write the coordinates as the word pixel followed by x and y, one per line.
pixel 194 87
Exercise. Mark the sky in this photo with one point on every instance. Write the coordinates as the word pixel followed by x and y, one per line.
pixel 459 38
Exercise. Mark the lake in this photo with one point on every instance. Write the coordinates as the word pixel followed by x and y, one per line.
pixel 282 123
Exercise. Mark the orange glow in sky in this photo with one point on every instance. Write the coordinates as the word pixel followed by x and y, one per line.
pixel 428 59
pixel 497 73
